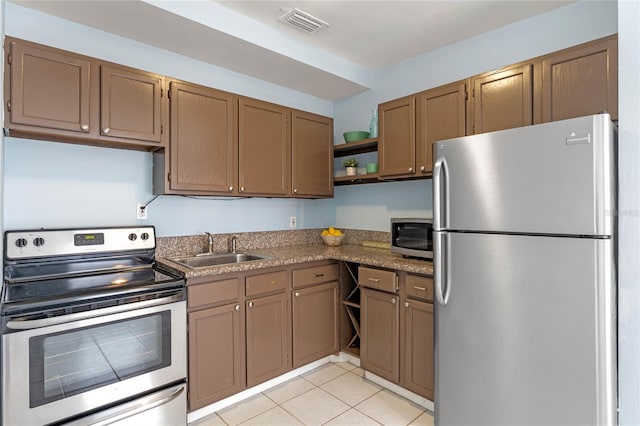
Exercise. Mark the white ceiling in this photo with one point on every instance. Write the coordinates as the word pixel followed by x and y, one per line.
pixel 335 62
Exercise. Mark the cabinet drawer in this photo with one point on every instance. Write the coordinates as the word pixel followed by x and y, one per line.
pixel 266 283
pixel 419 287
pixel 378 279
pixel 315 275
pixel 215 292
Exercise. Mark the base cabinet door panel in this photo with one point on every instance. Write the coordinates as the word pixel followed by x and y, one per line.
pixel 380 334
pixel 268 338
pixel 215 355
pixel 315 323
pixel 418 348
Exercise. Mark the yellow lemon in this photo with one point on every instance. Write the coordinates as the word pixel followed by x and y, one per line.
pixel 338 233
pixel 325 232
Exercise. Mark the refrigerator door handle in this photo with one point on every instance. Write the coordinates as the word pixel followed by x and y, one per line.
pixel 440 195
pixel 441 267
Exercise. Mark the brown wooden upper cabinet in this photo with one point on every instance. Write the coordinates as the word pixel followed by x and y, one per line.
pixel 397 137
pixel 48 89
pixel 53 94
pixel 581 80
pixel 409 126
pixel 130 104
pixel 264 148
pixel 502 99
pixel 203 140
pixel 311 155
pixel 441 115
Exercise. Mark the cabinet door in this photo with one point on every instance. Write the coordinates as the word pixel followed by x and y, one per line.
pixel 268 338
pixel 202 146
pixel 130 104
pixel 315 323
pixel 418 348
pixel 441 115
pixel 49 89
pixel 581 81
pixel 503 100
pixel 264 148
pixel 216 368
pixel 311 155
pixel 397 144
pixel 380 334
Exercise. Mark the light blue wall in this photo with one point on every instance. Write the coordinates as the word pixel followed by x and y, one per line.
pixel 564 27
pixel 629 213
pixel 57 185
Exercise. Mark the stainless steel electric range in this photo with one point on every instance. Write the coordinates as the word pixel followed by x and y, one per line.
pixel 93 331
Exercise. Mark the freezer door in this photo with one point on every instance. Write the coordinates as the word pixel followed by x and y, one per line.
pixel 553 178
pixel 527 334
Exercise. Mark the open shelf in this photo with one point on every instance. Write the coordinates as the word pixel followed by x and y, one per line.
pixel 353 148
pixel 354 180
pixel 350 309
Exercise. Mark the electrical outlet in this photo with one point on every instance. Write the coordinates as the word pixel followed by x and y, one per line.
pixel 292 222
pixel 141 212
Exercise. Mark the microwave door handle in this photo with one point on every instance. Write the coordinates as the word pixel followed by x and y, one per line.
pixel 440 195
pixel 441 256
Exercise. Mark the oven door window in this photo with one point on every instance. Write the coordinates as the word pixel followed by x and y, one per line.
pixel 71 362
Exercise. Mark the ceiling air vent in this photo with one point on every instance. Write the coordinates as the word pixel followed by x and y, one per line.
pixel 303 21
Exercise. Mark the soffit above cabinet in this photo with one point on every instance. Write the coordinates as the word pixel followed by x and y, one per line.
pixel 246 36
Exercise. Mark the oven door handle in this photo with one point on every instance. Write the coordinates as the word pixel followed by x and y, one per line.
pixel 21 324
pixel 117 414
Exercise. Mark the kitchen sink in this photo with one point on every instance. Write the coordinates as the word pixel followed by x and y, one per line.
pixel 205 260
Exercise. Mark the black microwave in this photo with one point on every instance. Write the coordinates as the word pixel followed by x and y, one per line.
pixel 412 237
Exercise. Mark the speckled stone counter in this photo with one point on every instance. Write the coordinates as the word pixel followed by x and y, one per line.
pixel 289 255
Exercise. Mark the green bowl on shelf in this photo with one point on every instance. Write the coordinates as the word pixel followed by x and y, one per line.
pixel 355 136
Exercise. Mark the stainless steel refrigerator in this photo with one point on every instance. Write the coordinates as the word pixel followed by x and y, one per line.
pixel 524 260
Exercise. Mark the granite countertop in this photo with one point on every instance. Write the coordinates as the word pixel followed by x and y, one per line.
pixel 290 255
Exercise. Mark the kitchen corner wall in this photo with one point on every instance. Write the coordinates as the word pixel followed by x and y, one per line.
pixel 63 185
pixel 370 206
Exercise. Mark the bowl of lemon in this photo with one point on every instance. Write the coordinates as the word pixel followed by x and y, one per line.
pixel 332 236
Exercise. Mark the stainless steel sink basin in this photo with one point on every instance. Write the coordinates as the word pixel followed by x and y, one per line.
pixel 206 260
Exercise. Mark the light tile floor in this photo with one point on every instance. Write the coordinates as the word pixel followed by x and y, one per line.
pixel 333 394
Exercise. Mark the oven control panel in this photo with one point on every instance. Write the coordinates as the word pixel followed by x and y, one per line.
pixel 61 242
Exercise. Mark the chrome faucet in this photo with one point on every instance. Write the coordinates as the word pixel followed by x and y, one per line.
pixel 210 242
pixel 233 240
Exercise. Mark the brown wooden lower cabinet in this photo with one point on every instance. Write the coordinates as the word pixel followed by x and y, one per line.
pixel 380 334
pixel 418 357
pixel 268 338
pixel 216 367
pixel 315 323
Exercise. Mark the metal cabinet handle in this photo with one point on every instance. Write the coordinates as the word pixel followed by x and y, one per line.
pixel 420 288
pixel 242 189
pixel 274 282
pixel 251 304
pixel 237 307
pixel 406 304
pixel 375 280
pixel 295 190
pixel 410 169
pixel 318 275
pixel 423 168
pixel 230 188
pixel 106 130
pixel 84 127
pixel 393 300
pixel 296 294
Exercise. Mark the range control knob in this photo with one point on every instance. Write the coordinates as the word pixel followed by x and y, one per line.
pixel 132 237
pixel 21 242
pixel 38 241
pixel 144 236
